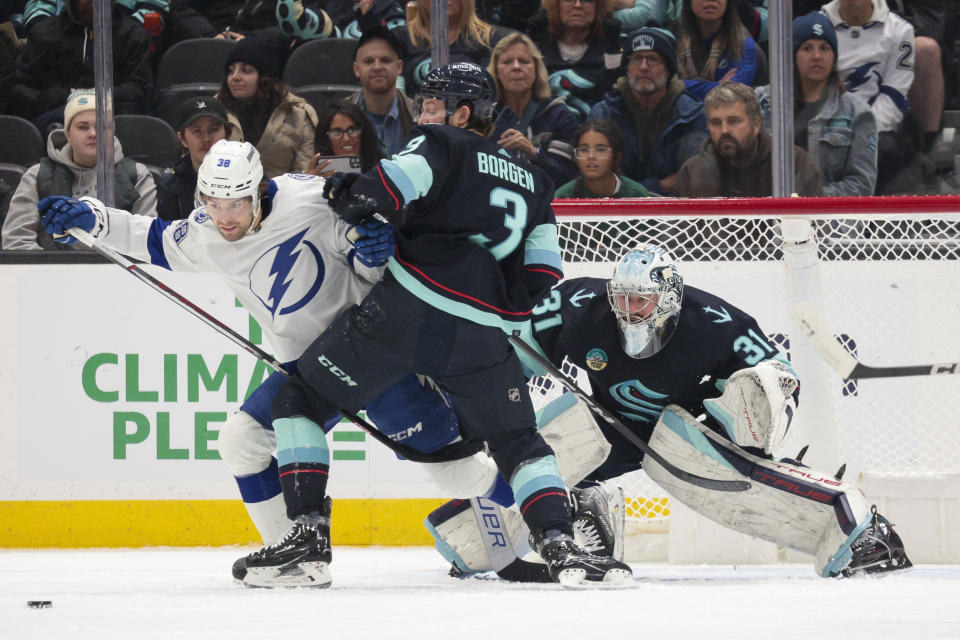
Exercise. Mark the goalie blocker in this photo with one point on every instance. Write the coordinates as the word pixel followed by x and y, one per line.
pixel 787 503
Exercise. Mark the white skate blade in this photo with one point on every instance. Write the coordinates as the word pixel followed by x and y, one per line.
pixel 612 579
pixel 304 574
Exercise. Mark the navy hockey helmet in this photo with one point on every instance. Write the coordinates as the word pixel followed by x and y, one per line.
pixel 645 293
pixel 459 82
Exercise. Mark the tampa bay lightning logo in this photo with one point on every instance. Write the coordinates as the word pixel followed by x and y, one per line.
pixel 861 75
pixel 271 280
pixel 636 401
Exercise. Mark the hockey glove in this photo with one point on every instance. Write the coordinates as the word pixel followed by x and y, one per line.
pixel 374 243
pixel 357 197
pixel 60 213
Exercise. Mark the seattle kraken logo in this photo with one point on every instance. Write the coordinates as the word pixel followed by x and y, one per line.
pixel 271 280
pixel 635 398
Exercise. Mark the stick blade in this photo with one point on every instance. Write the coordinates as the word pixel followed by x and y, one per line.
pixel 817 332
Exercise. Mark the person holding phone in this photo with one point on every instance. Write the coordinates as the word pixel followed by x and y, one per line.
pixel 530 123
pixel 344 131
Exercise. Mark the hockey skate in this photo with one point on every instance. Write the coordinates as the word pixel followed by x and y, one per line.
pixel 598 520
pixel 877 550
pixel 300 559
pixel 571 566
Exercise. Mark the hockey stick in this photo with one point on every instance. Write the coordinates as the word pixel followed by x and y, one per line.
pixel 634 439
pixel 454 451
pixel 844 363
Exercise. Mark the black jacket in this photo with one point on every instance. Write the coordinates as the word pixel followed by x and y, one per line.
pixel 175 191
pixel 58 56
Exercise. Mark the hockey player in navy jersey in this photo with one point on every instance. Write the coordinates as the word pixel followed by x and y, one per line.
pixel 476 248
pixel 657 353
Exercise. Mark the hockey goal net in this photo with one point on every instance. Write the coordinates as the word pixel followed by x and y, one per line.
pixel 885 274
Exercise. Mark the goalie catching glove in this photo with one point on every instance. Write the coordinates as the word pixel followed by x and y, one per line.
pixel 757 405
pixel 59 214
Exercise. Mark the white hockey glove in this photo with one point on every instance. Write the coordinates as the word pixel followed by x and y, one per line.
pixel 757 405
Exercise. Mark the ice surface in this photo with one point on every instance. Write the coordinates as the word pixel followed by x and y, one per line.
pixel 399 593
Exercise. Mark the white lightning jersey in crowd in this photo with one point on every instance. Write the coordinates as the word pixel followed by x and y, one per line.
pixel 876 61
pixel 294 275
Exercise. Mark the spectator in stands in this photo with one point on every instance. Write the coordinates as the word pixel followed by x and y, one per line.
pixel 662 123
pixel 377 64
pixel 471 40
pixel 263 110
pixel 736 161
pixel 713 45
pixel 10 43
pixel 875 59
pixel 510 14
pixel 201 122
pixel 581 49
pixel 59 55
pixel 634 14
pixel 835 127
pixel 348 18
pixel 529 122
pixel 345 131
pixel 70 168
pixel 926 95
pixel 599 150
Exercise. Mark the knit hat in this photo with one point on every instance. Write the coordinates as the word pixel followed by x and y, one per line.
pixel 79 100
pixel 192 109
pixel 653 39
pixel 814 26
pixel 262 53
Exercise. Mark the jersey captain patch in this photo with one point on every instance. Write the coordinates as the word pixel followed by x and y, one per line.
pixel 271 280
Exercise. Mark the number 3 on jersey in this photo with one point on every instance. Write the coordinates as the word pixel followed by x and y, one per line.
pixel 514 220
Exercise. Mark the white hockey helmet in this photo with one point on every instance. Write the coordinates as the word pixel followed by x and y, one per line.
pixel 645 293
pixel 230 170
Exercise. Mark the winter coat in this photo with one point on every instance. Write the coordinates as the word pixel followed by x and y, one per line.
pixel 176 190
pixel 551 132
pixel 287 143
pixel 626 188
pixel 21 229
pixel 746 68
pixel 680 139
pixel 706 175
pixel 58 57
pixel 841 141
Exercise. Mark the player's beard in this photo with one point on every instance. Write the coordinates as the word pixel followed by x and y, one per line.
pixel 647 86
pixel 730 150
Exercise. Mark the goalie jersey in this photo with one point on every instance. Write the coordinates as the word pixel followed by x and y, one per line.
pixel 476 237
pixel 713 340
pixel 293 275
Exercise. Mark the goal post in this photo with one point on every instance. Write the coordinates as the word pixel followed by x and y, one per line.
pixel 884 273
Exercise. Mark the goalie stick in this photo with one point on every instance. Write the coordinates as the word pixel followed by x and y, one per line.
pixel 844 363
pixel 634 439
pixel 454 451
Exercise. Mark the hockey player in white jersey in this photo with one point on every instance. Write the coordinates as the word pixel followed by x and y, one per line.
pixel 290 263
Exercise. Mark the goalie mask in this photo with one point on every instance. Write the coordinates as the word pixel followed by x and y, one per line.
pixel 645 293
pixel 231 170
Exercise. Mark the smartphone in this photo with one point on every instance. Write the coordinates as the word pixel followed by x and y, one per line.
pixel 506 120
pixel 347 164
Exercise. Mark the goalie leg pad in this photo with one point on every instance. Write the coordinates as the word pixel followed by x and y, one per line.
pixel 757 405
pixel 465 478
pixel 568 426
pixel 825 515
pixel 478 535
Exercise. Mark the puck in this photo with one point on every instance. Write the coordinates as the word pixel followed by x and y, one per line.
pixel 39 604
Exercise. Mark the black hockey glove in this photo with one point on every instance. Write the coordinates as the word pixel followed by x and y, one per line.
pixel 356 197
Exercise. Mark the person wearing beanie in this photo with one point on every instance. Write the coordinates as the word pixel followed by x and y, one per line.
pixel 262 110
pixel 70 169
pixel 713 45
pixel 201 122
pixel 662 123
pixel 836 127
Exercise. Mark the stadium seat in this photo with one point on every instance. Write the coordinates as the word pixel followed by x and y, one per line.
pixel 22 142
pixel 10 175
pixel 190 68
pixel 148 140
pixel 327 61
pixel 321 95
